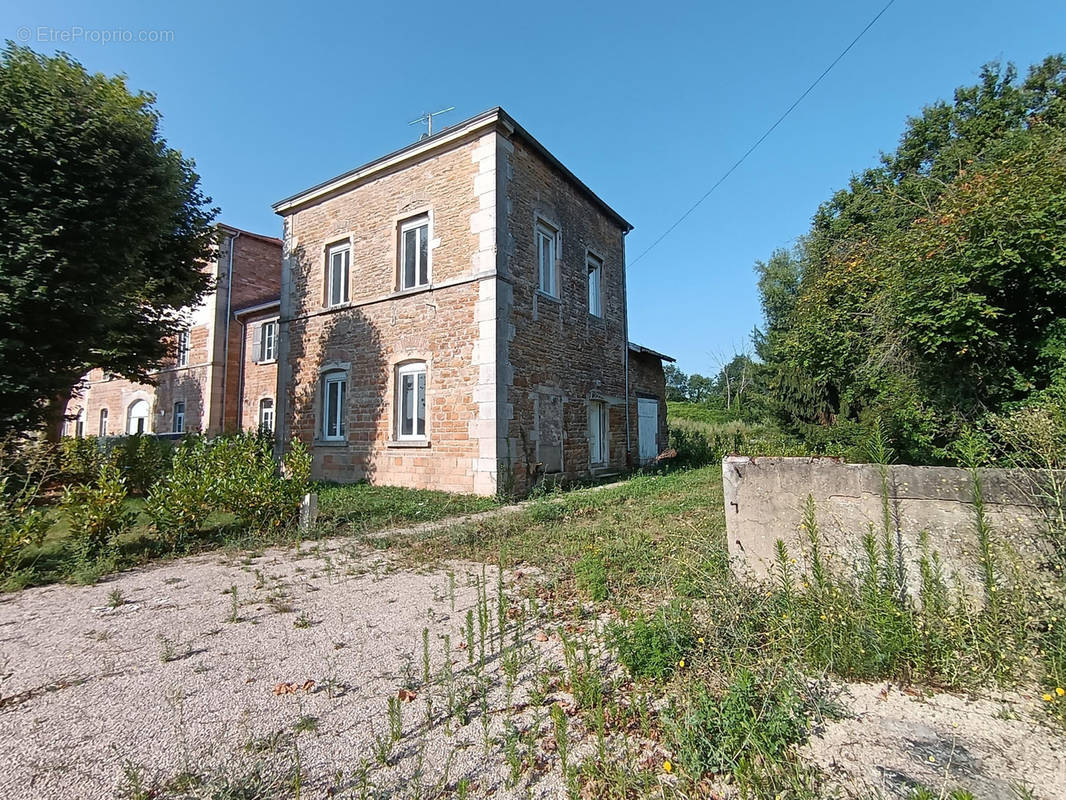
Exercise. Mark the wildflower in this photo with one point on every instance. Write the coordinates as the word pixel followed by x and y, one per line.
pixel 700 640
pixel 1047 698
pixel 1060 691
pixel 681 663
pixel 667 766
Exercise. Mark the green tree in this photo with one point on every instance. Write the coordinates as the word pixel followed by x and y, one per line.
pixel 103 234
pixel 676 383
pixel 930 292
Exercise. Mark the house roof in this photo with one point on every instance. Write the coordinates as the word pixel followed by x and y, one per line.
pixel 636 348
pixel 493 117
pixel 258 307
pixel 242 232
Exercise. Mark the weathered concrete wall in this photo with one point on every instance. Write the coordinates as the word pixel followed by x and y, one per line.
pixel 765 500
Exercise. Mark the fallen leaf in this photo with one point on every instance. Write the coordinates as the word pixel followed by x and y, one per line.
pixel 406 695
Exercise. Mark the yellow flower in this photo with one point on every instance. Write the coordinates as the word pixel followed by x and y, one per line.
pixel 700 640
pixel 1060 691
pixel 1047 698
pixel 681 663
pixel 667 766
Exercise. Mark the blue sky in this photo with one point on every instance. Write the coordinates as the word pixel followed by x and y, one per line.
pixel 647 104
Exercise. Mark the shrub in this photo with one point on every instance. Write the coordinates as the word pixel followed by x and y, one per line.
pixel 652 647
pixel 80 459
pixel 26 468
pixel 230 474
pixel 757 719
pixel 142 460
pixel 97 513
pixel 179 504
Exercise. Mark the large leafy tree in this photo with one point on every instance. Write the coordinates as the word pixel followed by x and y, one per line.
pixel 103 234
pixel 932 290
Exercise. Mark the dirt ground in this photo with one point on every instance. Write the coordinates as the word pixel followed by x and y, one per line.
pixel 213 671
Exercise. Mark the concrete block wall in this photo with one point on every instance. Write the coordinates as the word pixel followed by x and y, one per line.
pixel 765 500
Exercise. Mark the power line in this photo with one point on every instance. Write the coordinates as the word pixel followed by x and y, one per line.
pixel 766 134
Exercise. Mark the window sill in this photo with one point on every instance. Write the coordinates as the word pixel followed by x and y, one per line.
pixel 338 306
pixel 545 296
pixel 401 443
pixel 266 361
pixel 329 443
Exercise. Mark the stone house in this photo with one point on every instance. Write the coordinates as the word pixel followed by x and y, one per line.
pixel 223 376
pixel 453 316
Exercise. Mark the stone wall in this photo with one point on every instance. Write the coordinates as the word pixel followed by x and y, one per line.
pixel 765 500
pixel 559 356
pixel 382 327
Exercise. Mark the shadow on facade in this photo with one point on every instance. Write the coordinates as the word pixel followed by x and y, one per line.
pixel 343 344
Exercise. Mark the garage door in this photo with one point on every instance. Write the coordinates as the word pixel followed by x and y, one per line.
pixel 647 428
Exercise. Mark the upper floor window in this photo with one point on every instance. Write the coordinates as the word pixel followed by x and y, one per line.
pixel 595 271
pixel 411 401
pixel 414 252
pixel 266 414
pixel 184 345
pixel 179 417
pixel 338 262
pixel 334 398
pixel 547 240
pixel 266 343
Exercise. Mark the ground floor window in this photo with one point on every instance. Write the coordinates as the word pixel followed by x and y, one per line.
pixel 137 417
pixel 334 395
pixel 411 401
pixel 103 422
pixel 266 414
pixel 79 424
pixel 598 446
pixel 179 417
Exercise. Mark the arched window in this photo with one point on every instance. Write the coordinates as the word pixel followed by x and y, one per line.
pixel 411 400
pixel 266 414
pixel 137 417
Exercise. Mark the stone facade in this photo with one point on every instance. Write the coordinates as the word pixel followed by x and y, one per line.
pixel 513 375
pixel 221 384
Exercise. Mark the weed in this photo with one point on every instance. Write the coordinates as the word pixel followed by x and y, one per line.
pixel 115 598
pixel 306 724
pixel 653 647
pixel 303 620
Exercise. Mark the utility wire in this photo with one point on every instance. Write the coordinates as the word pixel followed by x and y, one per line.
pixel 765 135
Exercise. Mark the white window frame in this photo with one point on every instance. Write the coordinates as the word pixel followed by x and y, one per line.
pixel 330 414
pixel 263 417
pixel 599 434
pixel 178 423
pixel 414 223
pixel 103 421
pixel 147 417
pixel 184 346
pixel 547 274
pixel 79 424
pixel 331 251
pixel 594 268
pixel 414 369
pixel 268 356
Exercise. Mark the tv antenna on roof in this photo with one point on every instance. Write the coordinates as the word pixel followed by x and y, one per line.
pixel 428 119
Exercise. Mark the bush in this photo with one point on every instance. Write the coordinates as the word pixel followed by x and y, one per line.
pixel 97 514
pixel 653 647
pixel 757 719
pixel 80 459
pixel 26 468
pixel 229 474
pixel 142 460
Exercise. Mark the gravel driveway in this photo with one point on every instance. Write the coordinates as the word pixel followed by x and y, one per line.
pixel 209 671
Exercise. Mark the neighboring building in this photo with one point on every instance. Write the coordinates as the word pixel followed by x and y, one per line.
pixel 223 376
pixel 453 316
